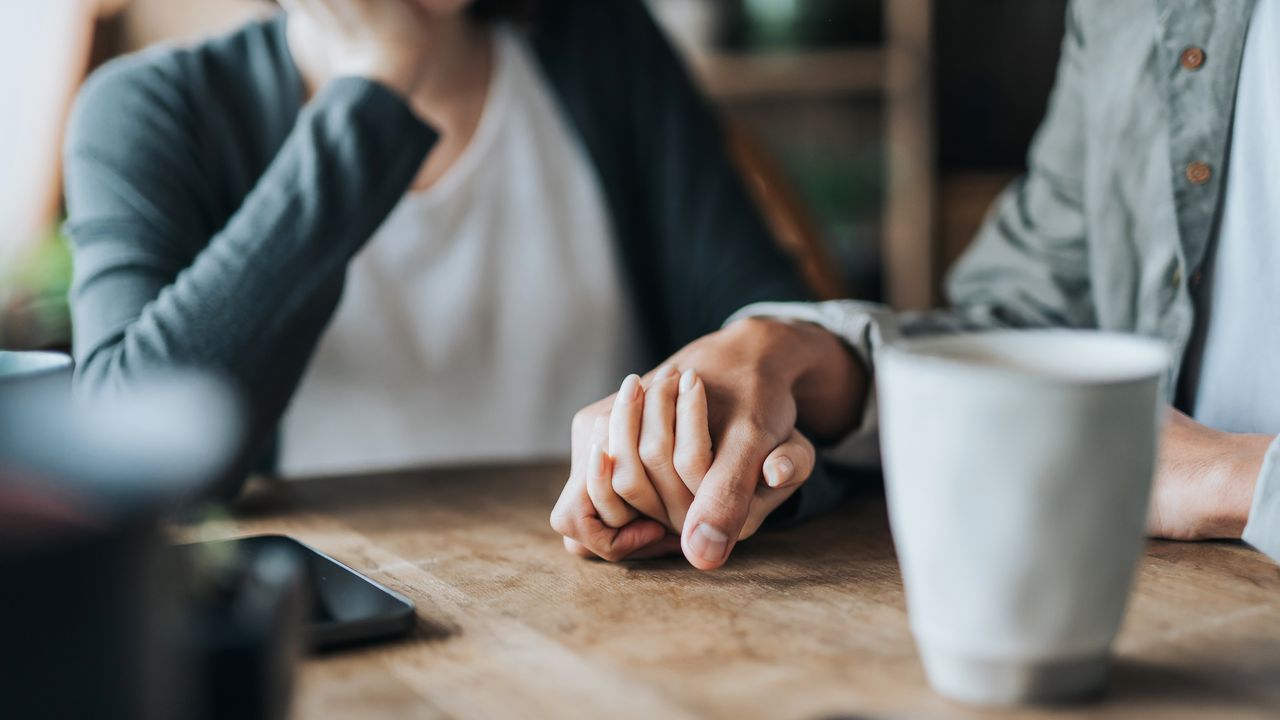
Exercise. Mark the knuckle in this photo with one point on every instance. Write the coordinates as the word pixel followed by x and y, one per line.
pixel 655 453
pixel 752 432
pixel 561 521
pixel 583 421
pixel 610 553
pixel 628 487
pixel 578 549
pixel 691 464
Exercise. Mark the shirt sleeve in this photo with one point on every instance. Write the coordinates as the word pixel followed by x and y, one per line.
pixel 1263 529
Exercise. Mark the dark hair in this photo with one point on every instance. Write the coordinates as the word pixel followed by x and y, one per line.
pixel 519 10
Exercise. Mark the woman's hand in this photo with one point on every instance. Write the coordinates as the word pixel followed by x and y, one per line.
pixel 382 40
pixel 582 523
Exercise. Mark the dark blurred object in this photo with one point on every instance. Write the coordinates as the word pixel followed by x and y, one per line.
pixel 799 82
pixel 787 213
pixel 994 67
pixel 246 631
pixel 99 617
pixel 87 617
pixel 791 24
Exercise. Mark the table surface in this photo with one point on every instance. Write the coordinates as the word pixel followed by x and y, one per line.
pixel 803 623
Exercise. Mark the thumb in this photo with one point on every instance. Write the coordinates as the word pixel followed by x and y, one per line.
pixel 791 463
pixel 720 506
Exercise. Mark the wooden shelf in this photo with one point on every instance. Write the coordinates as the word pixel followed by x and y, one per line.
pixel 790 74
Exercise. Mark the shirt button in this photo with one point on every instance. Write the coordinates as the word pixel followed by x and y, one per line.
pixel 1198 173
pixel 1175 278
pixel 1192 58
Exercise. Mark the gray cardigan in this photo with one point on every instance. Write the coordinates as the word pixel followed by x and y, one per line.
pixel 213 214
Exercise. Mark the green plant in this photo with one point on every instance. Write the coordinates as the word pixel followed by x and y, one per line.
pixel 33 296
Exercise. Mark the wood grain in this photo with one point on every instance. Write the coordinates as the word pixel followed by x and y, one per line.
pixel 803 623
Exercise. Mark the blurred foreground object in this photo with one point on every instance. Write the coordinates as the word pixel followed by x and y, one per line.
pixel 99 617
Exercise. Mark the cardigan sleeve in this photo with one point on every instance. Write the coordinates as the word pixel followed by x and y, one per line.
pixel 162 282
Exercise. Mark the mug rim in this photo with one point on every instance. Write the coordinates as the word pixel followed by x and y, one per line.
pixel 45 363
pixel 1149 357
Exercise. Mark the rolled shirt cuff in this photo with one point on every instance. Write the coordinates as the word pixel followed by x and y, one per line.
pixel 1263 529
pixel 861 326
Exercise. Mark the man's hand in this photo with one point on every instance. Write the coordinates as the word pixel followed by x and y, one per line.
pixel 758 380
pixel 1204 481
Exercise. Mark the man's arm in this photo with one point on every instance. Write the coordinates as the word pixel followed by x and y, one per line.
pixel 1216 485
pixel 1028 267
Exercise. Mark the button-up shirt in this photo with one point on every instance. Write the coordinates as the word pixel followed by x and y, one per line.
pixel 1117 209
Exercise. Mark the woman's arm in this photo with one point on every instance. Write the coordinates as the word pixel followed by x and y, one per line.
pixel 161 282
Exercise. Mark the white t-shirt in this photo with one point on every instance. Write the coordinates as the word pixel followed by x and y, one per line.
pixel 1239 373
pixel 484 311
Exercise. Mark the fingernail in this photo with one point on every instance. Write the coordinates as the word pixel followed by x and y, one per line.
pixel 688 379
pixel 664 372
pixel 708 543
pixel 630 389
pixel 783 468
pixel 595 464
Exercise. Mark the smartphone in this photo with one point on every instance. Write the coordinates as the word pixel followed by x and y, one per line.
pixel 345 606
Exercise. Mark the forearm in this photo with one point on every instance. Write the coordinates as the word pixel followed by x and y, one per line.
pixel 248 300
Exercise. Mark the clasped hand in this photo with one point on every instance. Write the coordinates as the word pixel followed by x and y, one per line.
pixel 646 479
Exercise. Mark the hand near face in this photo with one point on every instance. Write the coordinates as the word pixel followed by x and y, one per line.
pixel 383 40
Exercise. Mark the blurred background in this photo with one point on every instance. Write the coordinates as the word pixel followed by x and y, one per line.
pixel 875 133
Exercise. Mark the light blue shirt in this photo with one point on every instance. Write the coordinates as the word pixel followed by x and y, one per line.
pixel 1116 214
pixel 1238 384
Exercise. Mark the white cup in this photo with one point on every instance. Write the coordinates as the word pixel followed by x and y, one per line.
pixel 1018 467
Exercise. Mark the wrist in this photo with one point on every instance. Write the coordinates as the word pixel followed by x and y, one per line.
pixel 827 380
pixel 1240 467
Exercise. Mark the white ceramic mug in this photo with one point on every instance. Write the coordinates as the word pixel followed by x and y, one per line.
pixel 1018 467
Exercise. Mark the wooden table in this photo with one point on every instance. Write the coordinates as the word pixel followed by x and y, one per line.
pixel 803 623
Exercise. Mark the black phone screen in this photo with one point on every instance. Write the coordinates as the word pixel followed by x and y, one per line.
pixel 345 606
